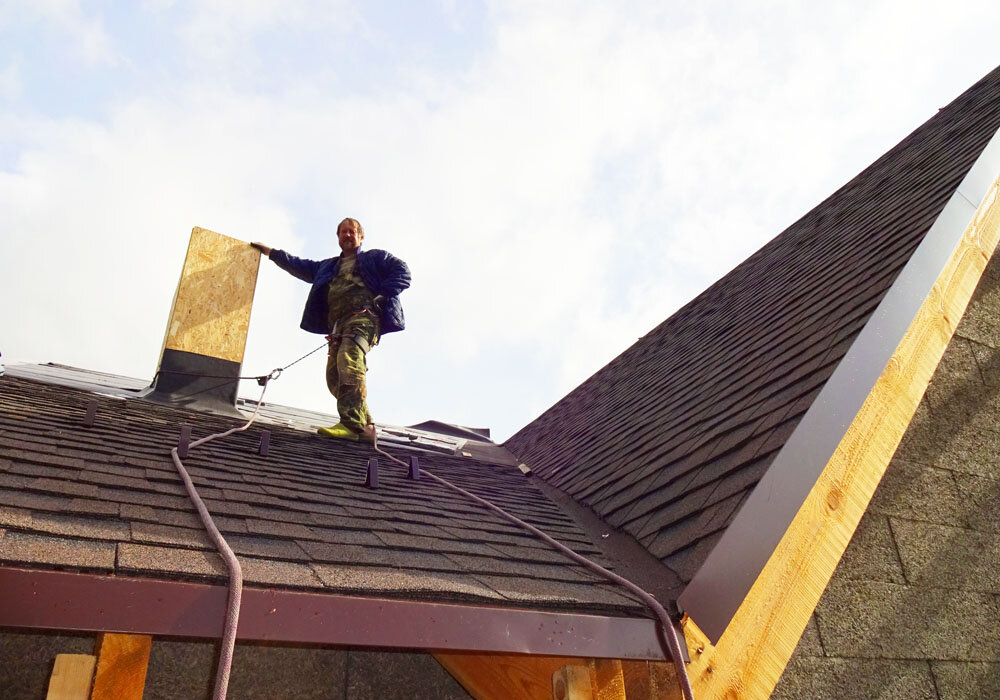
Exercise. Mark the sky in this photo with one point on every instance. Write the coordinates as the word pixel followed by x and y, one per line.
pixel 559 176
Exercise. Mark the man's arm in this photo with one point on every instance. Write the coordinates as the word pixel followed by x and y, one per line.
pixel 302 268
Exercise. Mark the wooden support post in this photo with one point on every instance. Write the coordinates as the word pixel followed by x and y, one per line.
pixel 651 680
pixel 121 666
pixel 572 682
pixel 71 676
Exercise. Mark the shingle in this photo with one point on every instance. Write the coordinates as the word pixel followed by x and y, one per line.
pixel 58 486
pixel 169 560
pixel 363 579
pixel 268 527
pixel 165 534
pixel 15 517
pixel 25 548
pixel 89 528
pixel 554 592
pixel 488 565
pixel 394 539
pixel 336 536
pixel 266 547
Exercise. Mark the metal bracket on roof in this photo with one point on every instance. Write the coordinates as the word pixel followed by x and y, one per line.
pixel 185 440
pixel 265 442
pixel 372 480
pixel 88 420
pixel 414 468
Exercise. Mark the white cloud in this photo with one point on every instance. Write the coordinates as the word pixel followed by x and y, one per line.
pixel 86 36
pixel 586 174
pixel 11 83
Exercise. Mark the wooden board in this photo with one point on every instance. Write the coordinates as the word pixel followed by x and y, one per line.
pixel 519 677
pixel 505 676
pixel 71 676
pixel 758 642
pixel 122 660
pixel 211 310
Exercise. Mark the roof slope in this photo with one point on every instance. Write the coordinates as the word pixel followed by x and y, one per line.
pixel 669 438
pixel 108 499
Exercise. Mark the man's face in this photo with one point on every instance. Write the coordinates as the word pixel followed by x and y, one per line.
pixel 348 236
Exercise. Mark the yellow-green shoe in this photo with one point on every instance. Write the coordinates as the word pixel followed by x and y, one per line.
pixel 340 431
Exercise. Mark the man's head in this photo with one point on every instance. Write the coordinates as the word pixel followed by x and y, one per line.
pixel 349 235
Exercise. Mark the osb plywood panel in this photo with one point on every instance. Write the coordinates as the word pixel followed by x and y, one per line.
pixel 211 310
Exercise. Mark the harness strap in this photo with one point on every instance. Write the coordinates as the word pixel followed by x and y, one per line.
pixel 361 342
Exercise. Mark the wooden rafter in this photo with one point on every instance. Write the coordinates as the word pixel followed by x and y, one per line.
pixel 521 677
pixel 122 660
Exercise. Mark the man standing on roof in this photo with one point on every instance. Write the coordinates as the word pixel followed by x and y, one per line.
pixel 354 300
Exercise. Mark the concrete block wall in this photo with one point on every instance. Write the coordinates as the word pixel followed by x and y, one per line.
pixel 913 609
pixel 185 670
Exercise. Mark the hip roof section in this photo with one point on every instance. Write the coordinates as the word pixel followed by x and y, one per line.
pixel 667 441
pixel 107 499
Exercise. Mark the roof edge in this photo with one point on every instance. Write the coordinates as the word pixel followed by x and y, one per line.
pixel 754 593
pixel 60 600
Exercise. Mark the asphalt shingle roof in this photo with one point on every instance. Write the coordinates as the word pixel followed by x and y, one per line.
pixel 669 438
pixel 108 499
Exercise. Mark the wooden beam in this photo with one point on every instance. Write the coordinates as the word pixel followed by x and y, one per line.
pixel 71 676
pixel 758 642
pixel 521 677
pixel 122 660
pixel 505 676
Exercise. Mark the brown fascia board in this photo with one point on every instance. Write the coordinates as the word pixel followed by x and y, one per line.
pixel 59 600
pixel 725 578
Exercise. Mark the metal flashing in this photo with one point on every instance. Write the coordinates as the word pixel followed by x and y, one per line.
pixel 724 579
pixel 57 600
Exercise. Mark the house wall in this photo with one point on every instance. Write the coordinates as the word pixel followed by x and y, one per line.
pixel 913 609
pixel 185 670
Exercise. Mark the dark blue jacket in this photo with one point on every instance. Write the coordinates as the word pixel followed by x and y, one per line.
pixel 383 274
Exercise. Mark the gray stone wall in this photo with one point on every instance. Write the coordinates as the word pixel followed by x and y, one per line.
pixel 184 670
pixel 913 610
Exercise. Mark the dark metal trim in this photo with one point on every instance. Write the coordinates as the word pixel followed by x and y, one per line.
pixel 60 600
pixel 723 581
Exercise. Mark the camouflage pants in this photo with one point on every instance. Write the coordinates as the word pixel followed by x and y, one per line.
pixel 346 368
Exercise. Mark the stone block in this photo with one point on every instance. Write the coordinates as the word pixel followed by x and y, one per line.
pixel 809 643
pixel 855 679
pixel 948 557
pixel 981 501
pixel 958 364
pixel 886 620
pixel 981 321
pixel 961 433
pixel 373 675
pixel 988 360
pixel 183 669
pixel 957 680
pixel 918 492
pixel 871 554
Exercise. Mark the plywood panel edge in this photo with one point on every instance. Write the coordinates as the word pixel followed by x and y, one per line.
pixel 759 641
